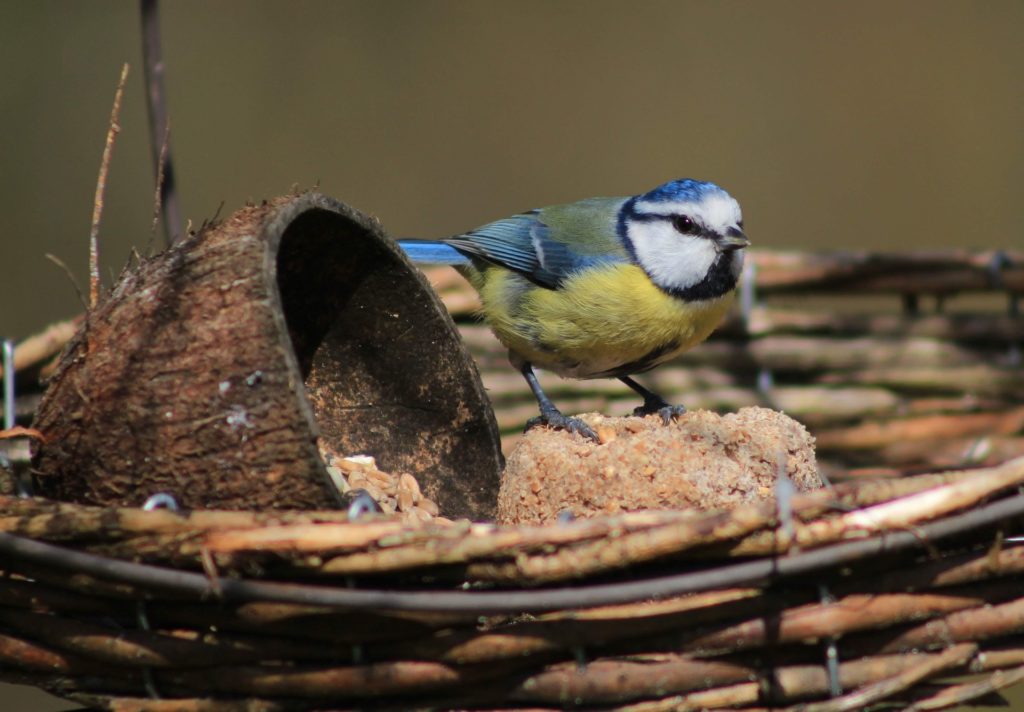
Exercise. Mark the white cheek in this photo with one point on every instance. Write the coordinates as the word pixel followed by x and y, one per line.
pixel 672 260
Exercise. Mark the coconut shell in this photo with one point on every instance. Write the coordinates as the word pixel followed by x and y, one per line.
pixel 211 369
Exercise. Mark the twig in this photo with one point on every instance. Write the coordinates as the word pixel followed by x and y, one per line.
pixel 870 435
pixel 37 348
pixel 327 544
pixel 135 648
pixel 364 681
pixel 157 192
pixel 973 624
pixel 32 657
pixel 511 601
pixel 617 680
pixel 949 571
pixel 604 682
pixel 179 704
pixel 951 658
pixel 939 271
pixel 898 513
pixel 853 613
pixel 159 124
pixel 958 694
pixel 71 277
pixel 101 186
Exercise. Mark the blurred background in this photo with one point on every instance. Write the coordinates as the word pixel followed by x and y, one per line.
pixel 872 124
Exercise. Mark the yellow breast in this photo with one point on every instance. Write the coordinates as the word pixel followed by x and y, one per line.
pixel 604 321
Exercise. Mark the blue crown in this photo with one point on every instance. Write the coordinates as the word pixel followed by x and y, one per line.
pixel 683 190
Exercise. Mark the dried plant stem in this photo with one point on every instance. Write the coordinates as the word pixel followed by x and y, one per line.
pixel 898 513
pixel 975 624
pixel 872 435
pixel 327 544
pixel 953 657
pixel 743 695
pixel 400 678
pixel 606 682
pixel 40 347
pixel 959 694
pixel 482 602
pixel 70 646
pixel 601 682
pixel 951 571
pixel 633 628
pixel 64 685
pixel 850 614
pixel 33 657
pixel 101 187
pixel 71 278
pixel 177 704
pixel 289 620
pixel 135 648
pixel 937 271
pixel 159 123
pixel 158 191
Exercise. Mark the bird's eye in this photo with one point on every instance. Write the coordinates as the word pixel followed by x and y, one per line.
pixel 685 225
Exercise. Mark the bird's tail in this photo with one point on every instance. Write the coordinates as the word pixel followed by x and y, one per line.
pixel 432 252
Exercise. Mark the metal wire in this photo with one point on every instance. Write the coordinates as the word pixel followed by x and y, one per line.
pixel 8 348
pixel 835 687
pixel 161 500
pixel 148 678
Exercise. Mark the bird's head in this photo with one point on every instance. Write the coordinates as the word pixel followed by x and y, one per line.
pixel 687 235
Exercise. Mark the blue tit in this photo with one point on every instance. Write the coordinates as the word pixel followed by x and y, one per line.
pixel 604 287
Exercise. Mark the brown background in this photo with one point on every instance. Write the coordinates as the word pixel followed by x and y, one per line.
pixel 871 124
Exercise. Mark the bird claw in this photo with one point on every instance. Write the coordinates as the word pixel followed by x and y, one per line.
pixel 563 422
pixel 667 412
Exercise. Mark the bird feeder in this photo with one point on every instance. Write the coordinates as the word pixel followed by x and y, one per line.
pixel 212 369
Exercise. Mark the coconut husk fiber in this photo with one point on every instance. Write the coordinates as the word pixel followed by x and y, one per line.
pixel 212 370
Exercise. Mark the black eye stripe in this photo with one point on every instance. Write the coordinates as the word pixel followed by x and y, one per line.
pixel 697 231
pixel 631 214
pixel 654 217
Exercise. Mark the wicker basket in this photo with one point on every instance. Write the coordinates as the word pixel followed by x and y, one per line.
pixel 879 590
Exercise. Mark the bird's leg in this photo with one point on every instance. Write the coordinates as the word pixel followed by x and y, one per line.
pixel 549 414
pixel 653 403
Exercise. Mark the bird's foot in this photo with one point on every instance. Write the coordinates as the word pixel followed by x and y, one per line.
pixel 667 412
pixel 555 419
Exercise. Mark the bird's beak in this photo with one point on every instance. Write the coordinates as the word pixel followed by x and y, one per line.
pixel 732 240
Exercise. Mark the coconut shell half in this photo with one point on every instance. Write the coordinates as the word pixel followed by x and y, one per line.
pixel 211 369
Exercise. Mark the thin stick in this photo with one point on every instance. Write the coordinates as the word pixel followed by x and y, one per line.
pixel 101 186
pixel 950 658
pixel 938 271
pixel 44 345
pixel 157 192
pixel 480 602
pixel 159 124
pixel 71 278
pixel 178 704
pixel 958 694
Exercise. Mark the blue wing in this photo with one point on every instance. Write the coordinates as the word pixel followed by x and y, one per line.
pixel 433 252
pixel 544 253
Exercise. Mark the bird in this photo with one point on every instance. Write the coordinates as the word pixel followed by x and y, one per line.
pixel 602 287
